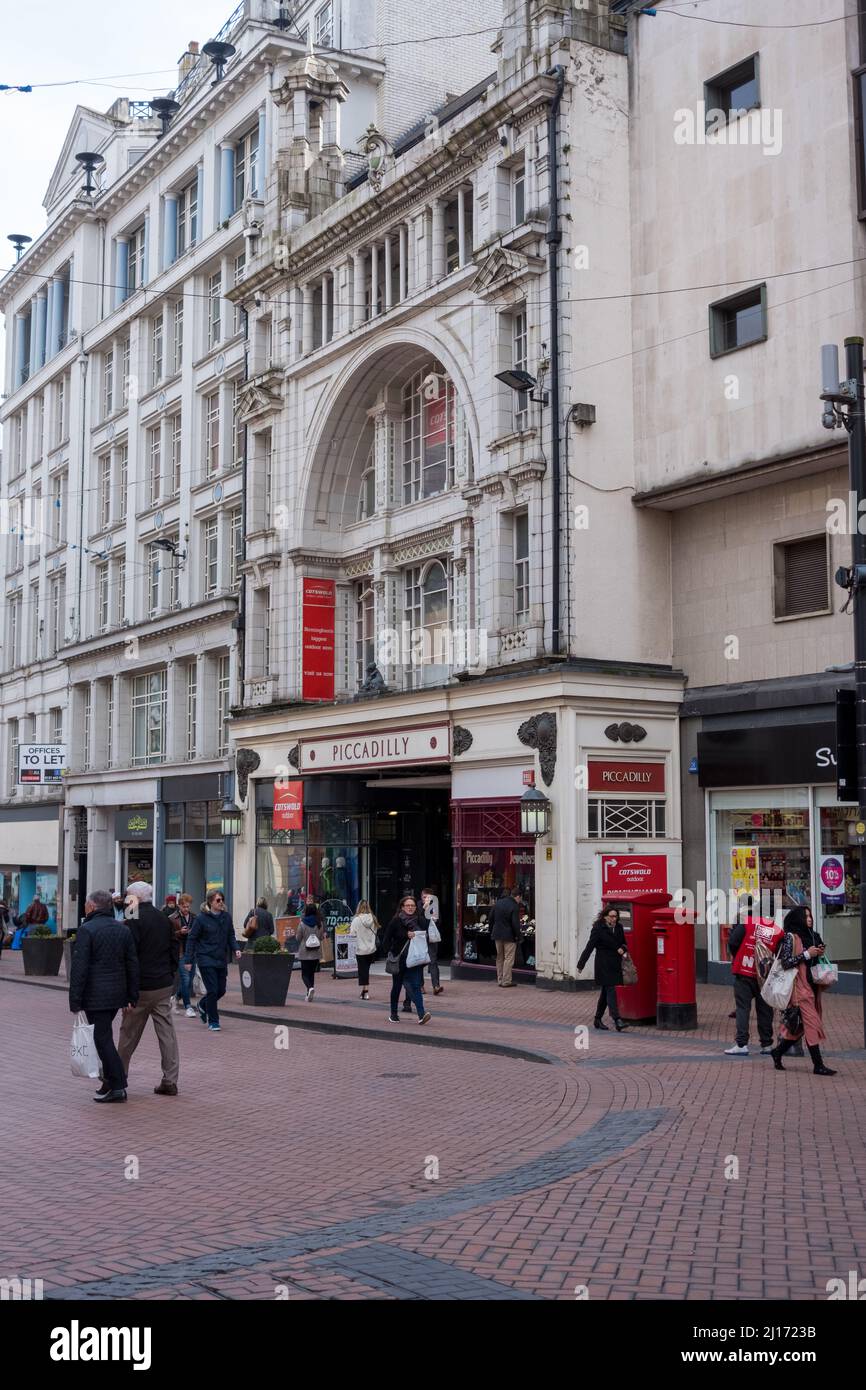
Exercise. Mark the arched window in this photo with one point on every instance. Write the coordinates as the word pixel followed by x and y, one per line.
pixel 428 433
pixel 427 612
pixel 367 494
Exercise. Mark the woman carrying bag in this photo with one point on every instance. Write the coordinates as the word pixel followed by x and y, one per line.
pixel 365 929
pixel 259 921
pixel 607 939
pixel 310 934
pixel 799 950
pixel 399 944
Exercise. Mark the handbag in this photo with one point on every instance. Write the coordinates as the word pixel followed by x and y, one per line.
pixel 418 953
pixel 312 942
pixel 778 986
pixel 198 983
pixel 824 972
pixel 82 1052
pixel 629 971
pixel 392 961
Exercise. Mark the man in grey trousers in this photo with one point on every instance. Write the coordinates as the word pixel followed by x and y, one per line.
pixel 158 951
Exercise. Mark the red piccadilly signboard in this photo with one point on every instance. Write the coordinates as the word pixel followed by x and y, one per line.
pixel 630 875
pixel 289 806
pixel 616 775
pixel 317 658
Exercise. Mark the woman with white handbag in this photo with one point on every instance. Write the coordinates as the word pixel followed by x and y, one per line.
pixel 430 910
pixel 310 934
pixel 405 947
pixel 799 950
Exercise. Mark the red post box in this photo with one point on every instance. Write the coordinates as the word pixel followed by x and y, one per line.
pixel 676 1007
pixel 637 1003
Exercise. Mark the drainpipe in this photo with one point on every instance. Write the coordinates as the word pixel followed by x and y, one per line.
pixel 554 239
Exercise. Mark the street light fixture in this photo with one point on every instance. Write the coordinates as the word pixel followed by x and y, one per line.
pixel 518 380
pixel 534 813
pixel 230 818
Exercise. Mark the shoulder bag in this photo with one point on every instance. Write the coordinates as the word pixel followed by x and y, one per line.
pixel 392 961
pixel 778 986
pixel 629 971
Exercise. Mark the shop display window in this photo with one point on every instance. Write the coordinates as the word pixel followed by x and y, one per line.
pixel 838 906
pixel 489 873
pixel 763 858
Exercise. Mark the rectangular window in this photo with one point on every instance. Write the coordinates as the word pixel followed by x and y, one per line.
pixel 365 630
pixel 149 699
pixel 734 91
pixel 191 708
pixel 153 455
pixel 738 321
pixel 40 427
pixel 57 628
pixel 135 269
pixel 107 383
pixel 212 434
pixel 428 436
pixel 14 632
pixel 154 569
pixel 187 217
pixel 120 593
pixel 124 372
pixel 177 342
pixel 324 29
pixel 173 572
pixel 61 432
pixel 109 722
pixel 801 575
pixel 105 489
pixel 102 597
pixel 238 427
pixel 14 739
pixel 87 726
pixel 57 489
pixel 214 308
pixel 236 550
pixel 55 724
pixel 240 267
pixel 223 697
pixel 521 567
pixel 122 477
pixel 520 362
pixel 518 194
pixel 246 166
pixel 156 350
pixel 266 631
pixel 210 552
pixel 612 819
pixel 174 434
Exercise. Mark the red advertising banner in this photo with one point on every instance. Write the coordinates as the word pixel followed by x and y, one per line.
pixel 630 875
pixel 289 806
pixel 317 657
pixel 616 775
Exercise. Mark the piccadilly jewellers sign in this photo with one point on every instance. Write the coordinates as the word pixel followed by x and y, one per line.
pixel 385 748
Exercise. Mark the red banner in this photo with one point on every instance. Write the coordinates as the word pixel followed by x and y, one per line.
pixel 317 658
pixel 629 875
pixel 616 775
pixel 289 806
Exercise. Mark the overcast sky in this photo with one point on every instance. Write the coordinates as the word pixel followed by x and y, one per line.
pixel 60 40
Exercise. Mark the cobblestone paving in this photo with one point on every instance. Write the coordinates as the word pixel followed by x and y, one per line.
pixel 310 1172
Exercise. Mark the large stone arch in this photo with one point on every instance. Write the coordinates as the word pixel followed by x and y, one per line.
pixel 340 431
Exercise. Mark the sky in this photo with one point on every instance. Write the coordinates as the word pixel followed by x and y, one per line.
pixel 60 40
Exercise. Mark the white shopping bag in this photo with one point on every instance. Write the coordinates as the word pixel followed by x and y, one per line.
pixel 418 953
pixel 198 983
pixel 83 1054
pixel 778 986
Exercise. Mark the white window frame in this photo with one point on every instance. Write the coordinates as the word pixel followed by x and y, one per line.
pixel 211 406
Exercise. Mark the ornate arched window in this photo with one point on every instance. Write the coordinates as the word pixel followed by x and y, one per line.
pixel 427 610
pixel 365 630
pixel 428 433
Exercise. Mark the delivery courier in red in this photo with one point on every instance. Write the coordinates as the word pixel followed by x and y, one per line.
pixel 753 945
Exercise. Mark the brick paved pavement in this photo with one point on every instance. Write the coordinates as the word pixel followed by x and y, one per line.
pixel 303 1171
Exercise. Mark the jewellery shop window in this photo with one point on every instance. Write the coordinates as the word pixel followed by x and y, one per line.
pixel 488 874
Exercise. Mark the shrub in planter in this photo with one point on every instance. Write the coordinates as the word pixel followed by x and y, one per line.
pixel 42 951
pixel 265 972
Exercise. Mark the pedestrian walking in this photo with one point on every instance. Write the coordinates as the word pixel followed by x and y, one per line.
pixel 211 946
pixel 365 929
pixel 309 935
pixel 169 907
pixel 158 951
pixel 5 924
pixel 399 935
pixel 607 939
pixel 798 949
pixel 103 978
pixel 258 921
pixel 182 921
pixel 505 931
pixel 745 941
pixel 430 913
pixel 36 914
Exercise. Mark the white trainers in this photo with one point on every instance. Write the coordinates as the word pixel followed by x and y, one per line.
pixel 310 992
pixel 191 1012
pixel 736 1051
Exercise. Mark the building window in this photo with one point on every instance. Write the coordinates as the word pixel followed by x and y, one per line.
pixel 109 723
pixel 173 571
pixel 236 551
pixel 177 342
pixel 324 30
pixel 521 567
pixel 240 267
pixel 107 383
pixel 122 477
pixel 739 321
pixel 734 91
pixel 365 631
pixel 120 594
pixel 214 308
pixel 156 350
pixel 265 609
pixel 223 699
pixel 187 217
pixel 610 819
pixel 149 698
pixel 210 552
pixel 518 193
pixel 175 438
pixel 14 631
pixel 428 434
pixel 87 725
pixel 105 489
pixel 57 628
pixel 102 591
pixel 55 724
pixel 135 260
pixel 153 572
pixel 61 432
pixel 801 577
pixel 14 739
pixel 124 372
pixel 57 508
pixel 367 497
pixel 246 166
pixel 154 462
pixel 238 426
pixel 40 427
pixel 212 434
pixel 520 362
pixel 191 708
pixel 426 612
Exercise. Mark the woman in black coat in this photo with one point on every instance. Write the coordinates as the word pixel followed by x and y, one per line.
pixel 607 939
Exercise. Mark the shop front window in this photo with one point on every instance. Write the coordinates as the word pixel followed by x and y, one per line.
pixel 762 856
pixel 838 905
pixel 486 875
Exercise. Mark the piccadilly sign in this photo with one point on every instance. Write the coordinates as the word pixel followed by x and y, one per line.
pixel 384 748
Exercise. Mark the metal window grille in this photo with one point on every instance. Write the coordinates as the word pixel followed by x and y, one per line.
pixel 610 819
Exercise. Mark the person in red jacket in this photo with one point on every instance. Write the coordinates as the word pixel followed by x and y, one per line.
pixel 751 944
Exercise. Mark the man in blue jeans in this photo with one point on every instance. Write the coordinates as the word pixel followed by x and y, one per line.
pixel 211 945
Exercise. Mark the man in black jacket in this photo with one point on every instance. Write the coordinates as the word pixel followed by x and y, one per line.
pixel 104 978
pixel 158 953
pixel 505 931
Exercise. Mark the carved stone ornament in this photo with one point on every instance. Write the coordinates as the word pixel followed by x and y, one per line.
pixel 539 732
pixel 259 397
pixel 246 761
pixel 502 271
pixel 461 740
pixel 625 732
pixel 295 757
pixel 376 148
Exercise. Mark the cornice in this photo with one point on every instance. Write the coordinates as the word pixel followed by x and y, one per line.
pixel 158 628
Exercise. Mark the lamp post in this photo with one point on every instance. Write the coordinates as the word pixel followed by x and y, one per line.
pixel 534 813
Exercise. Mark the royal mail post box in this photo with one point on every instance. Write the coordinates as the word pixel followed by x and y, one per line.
pixel 637 1003
pixel 676 1006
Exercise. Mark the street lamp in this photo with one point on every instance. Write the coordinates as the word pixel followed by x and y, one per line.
pixel 518 380
pixel 534 813
pixel 230 818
